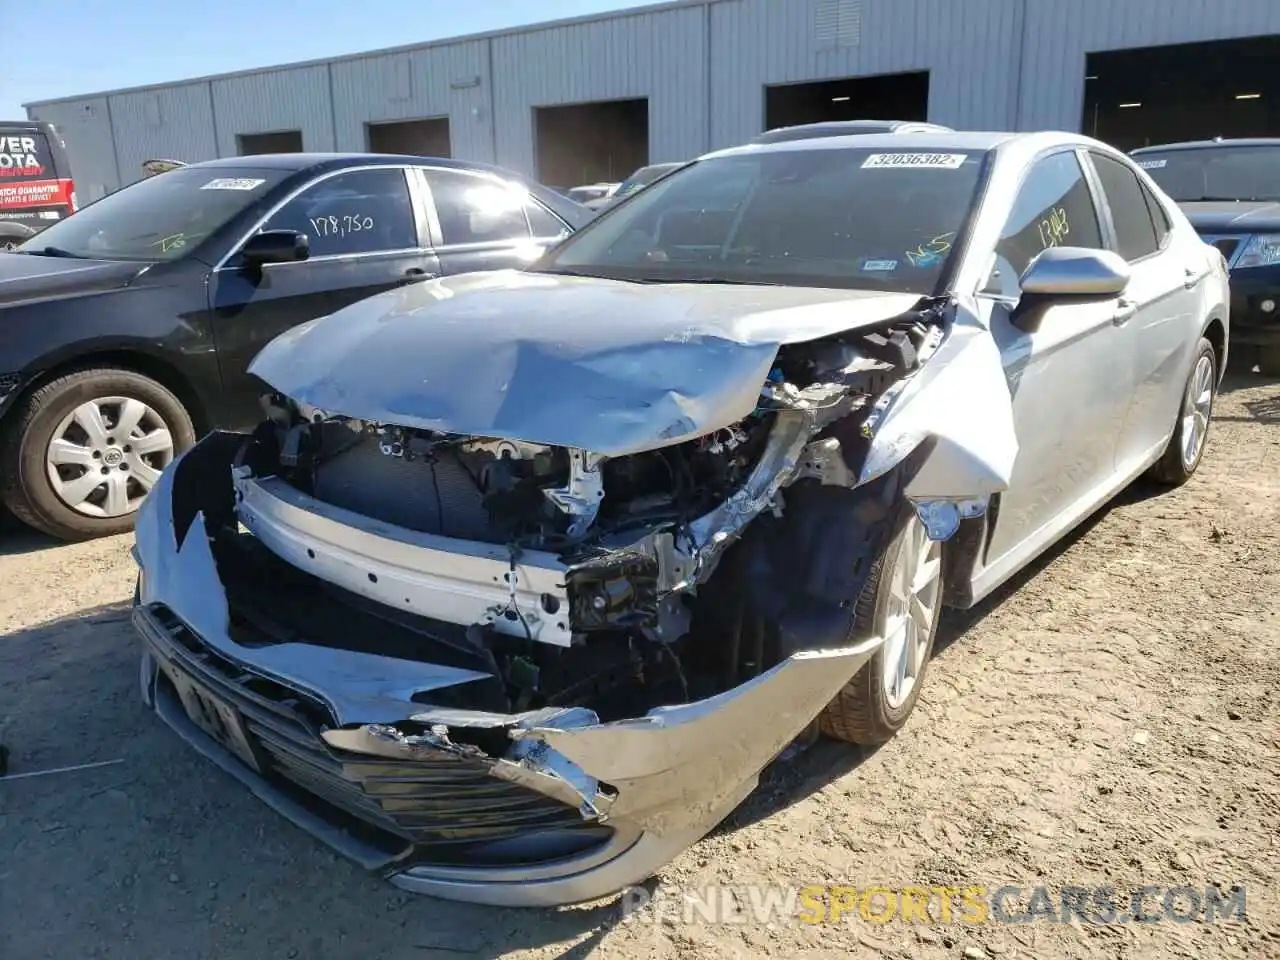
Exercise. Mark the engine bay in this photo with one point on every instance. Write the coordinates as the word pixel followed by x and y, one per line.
pixel 677 567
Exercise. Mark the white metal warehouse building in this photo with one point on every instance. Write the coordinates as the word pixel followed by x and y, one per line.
pixel 673 80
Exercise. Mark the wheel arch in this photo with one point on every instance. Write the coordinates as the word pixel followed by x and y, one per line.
pixel 157 368
pixel 1215 331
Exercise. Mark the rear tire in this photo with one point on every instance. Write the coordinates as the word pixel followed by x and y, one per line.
pixel 139 427
pixel 869 711
pixel 1186 447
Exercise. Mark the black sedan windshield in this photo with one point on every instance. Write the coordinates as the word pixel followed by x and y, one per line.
pixel 160 218
pixel 821 217
pixel 1215 173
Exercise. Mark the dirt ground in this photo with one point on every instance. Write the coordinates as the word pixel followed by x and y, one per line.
pixel 1111 718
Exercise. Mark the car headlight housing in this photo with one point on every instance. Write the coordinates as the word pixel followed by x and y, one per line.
pixel 1260 251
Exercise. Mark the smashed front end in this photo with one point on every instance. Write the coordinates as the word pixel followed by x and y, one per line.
pixel 521 673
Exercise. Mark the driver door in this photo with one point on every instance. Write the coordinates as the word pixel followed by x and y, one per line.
pixel 366 236
pixel 1064 363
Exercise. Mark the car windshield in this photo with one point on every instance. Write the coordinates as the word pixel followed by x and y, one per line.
pixel 1215 173
pixel 163 217
pixel 845 218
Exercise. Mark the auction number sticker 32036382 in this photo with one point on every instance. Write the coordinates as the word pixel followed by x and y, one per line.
pixel 916 161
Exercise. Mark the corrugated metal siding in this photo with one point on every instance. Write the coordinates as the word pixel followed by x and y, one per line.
pixel 172 123
pixel 660 56
pixel 1059 35
pixel 85 126
pixel 416 85
pixel 294 99
pixel 965 46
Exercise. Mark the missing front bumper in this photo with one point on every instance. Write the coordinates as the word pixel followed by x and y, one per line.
pixel 663 780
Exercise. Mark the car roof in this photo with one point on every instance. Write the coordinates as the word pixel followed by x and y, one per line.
pixel 318 161
pixel 840 128
pixel 932 140
pixel 1219 142
pixel 26 126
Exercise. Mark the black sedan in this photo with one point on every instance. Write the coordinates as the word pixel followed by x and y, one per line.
pixel 1230 191
pixel 127 329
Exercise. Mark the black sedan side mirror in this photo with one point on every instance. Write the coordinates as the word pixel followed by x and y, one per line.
pixel 276 246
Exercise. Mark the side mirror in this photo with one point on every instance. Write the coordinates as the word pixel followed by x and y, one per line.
pixel 1075 272
pixel 276 246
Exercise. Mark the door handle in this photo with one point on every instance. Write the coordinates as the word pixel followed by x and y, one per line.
pixel 414 274
pixel 1190 278
pixel 1125 309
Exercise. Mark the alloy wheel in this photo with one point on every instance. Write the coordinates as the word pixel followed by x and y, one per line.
pixel 106 455
pixel 1197 405
pixel 914 604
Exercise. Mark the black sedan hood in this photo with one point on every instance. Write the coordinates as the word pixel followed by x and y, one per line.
pixel 603 365
pixel 1233 216
pixel 24 277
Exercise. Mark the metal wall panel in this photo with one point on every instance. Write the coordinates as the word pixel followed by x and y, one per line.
pixel 415 85
pixel 1060 34
pixel 85 126
pixel 168 123
pixel 296 98
pixel 661 56
pixel 966 46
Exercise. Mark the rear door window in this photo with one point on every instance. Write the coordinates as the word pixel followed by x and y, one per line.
pixel 1130 213
pixel 477 209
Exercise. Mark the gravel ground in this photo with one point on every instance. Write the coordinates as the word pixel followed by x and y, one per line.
pixel 1111 718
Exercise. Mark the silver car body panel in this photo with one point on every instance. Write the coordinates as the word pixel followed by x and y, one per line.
pixel 1054 420
pixel 677 771
pixel 635 366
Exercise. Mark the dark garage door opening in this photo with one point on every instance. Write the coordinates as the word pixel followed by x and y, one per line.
pixel 1192 91
pixel 280 141
pixel 418 138
pixel 591 142
pixel 890 96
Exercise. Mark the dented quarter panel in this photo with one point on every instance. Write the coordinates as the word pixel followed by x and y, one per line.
pixel 601 365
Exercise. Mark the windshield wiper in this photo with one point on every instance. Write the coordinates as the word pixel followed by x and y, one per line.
pixel 53 252
pixel 709 280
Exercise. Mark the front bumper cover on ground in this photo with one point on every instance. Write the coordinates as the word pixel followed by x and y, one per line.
pixel 574 809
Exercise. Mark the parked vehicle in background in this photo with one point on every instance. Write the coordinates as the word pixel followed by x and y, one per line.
pixel 531 573
pixel 128 327
pixel 592 191
pixel 635 183
pixel 845 128
pixel 151 168
pixel 36 188
pixel 1230 191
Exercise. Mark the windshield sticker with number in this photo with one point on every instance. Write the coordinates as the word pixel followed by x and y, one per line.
pixel 916 161
pixel 1152 164
pixel 879 266
pixel 233 183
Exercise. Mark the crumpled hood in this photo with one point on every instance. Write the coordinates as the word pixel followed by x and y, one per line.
pixel 24 277
pixel 1233 216
pixel 604 365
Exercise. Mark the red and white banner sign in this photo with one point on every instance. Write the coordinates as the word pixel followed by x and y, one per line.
pixel 35 193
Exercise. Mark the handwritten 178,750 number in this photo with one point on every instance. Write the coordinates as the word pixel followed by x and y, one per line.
pixel 344 226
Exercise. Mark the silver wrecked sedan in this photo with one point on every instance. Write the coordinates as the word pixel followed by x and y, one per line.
pixel 526 575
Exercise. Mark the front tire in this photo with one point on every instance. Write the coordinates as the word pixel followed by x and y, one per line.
pixel 901 602
pixel 1186 447
pixel 80 453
